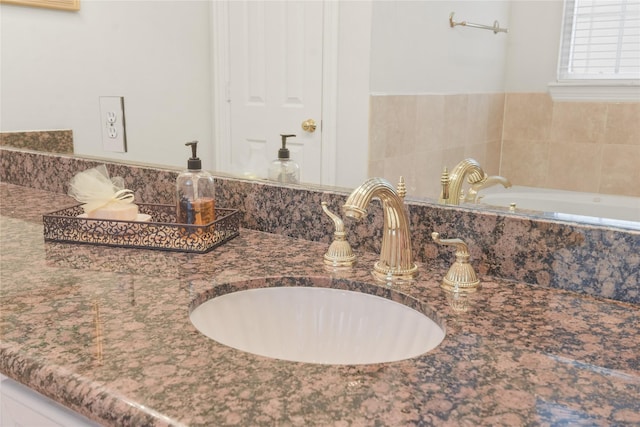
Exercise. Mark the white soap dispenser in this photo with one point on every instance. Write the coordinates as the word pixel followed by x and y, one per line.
pixel 283 169
pixel 195 191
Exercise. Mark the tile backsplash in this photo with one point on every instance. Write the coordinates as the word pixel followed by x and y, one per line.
pixel 579 146
pixel 594 260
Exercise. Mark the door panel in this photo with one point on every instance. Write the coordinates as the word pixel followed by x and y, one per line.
pixel 275 68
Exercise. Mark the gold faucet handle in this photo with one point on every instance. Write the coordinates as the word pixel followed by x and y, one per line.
pixel 335 218
pixel 339 253
pixel 461 275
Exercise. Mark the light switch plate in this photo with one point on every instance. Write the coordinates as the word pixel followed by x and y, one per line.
pixel 112 124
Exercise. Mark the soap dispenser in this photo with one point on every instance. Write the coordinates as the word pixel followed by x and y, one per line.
pixel 195 192
pixel 283 169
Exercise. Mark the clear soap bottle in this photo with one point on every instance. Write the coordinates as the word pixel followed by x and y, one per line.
pixel 283 169
pixel 195 191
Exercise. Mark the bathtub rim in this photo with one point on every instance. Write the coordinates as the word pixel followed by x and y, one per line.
pixel 517 191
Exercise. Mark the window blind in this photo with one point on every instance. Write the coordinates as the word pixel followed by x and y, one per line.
pixel 600 40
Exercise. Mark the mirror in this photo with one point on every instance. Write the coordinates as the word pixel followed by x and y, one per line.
pixel 158 56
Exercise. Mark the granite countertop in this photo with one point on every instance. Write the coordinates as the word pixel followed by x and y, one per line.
pixel 106 332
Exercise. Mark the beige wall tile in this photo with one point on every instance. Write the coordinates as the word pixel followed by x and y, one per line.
pixel 571 167
pixel 418 135
pixel 576 167
pixel 401 119
pixel 493 154
pixel 496 116
pixel 525 163
pixel 477 152
pixel 485 113
pixel 478 119
pixel 455 121
pixel 429 122
pixel 527 116
pixel 378 130
pixel 623 124
pixel 427 172
pixel 620 173
pixel 406 165
pixel 582 122
pixel 392 126
pixel 450 158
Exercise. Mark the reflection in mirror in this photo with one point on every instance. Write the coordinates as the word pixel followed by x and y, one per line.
pixel 459 301
pixel 436 94
pixel 573 206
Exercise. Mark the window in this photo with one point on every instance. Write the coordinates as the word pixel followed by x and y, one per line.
pixel 600 47
pixel 601 40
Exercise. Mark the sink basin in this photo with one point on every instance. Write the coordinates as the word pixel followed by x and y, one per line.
pixel 317 325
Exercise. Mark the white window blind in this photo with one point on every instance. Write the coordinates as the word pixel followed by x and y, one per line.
pixel 600 40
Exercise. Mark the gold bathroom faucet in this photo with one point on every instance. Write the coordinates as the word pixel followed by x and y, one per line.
pixel 452 194
pixel 396 258
pixel 490 181
pixel 452 182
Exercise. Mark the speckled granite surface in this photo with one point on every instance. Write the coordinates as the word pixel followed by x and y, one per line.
pixel 51 141
pixel 106 332
pixel 594 260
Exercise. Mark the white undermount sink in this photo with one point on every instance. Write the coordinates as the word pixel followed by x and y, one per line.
pixel 317 325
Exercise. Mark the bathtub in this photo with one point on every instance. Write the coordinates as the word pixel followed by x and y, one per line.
pixel 568 205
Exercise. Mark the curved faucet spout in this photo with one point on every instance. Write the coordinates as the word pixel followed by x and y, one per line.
pixel 396 257
pixel 490 181
pixel 452 186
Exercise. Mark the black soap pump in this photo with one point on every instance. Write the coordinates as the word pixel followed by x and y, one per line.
pixel 283 169
pixel 195 192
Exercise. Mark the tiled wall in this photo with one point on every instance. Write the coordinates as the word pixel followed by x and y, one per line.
pixel 526 137
pixel 417 135
pixel 578 146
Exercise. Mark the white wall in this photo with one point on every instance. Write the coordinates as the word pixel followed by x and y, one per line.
pixel 534 40
pixel 56 64
pixel 415 51
pixel 352 127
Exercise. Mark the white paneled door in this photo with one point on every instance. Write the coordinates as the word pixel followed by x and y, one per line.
pixel 275 84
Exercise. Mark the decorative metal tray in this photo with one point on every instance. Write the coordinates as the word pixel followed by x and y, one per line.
pixel 161 232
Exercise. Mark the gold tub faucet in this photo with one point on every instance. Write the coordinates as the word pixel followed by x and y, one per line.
pixel 452 193
pixel 490 181
pixel 452 181
pixel 396 258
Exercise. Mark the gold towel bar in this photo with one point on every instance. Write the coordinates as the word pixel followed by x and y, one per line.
pixel 495 28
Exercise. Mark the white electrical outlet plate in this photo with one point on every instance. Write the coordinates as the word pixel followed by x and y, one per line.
pixel 112 124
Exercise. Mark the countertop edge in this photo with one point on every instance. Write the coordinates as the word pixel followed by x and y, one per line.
pixel 77 392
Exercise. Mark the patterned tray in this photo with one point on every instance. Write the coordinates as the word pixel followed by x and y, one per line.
pixel 161 232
